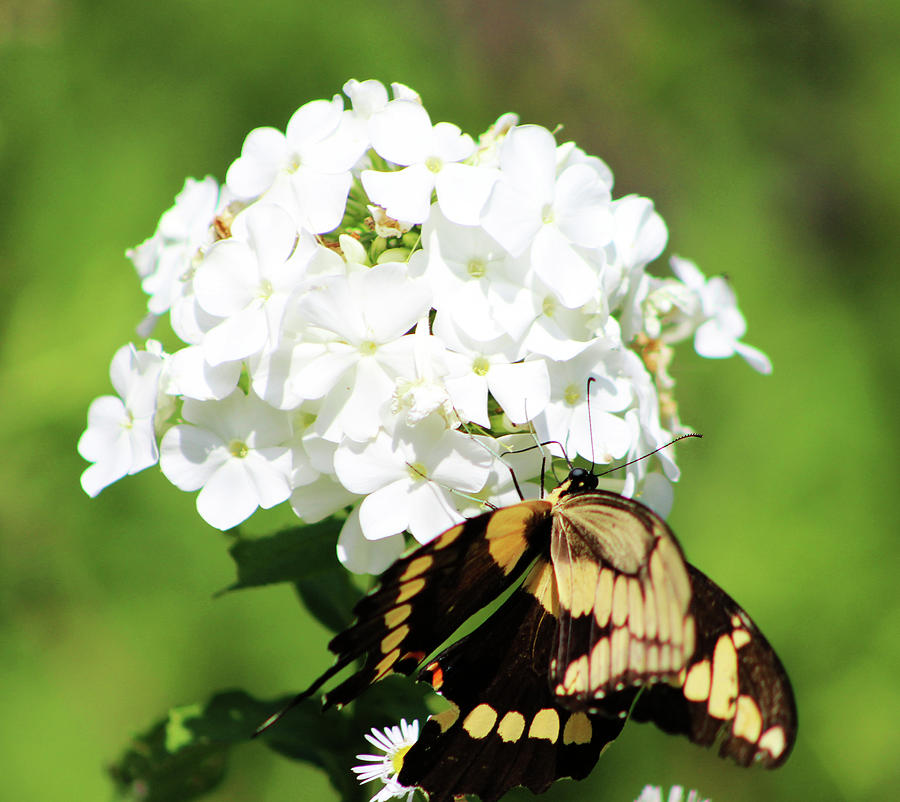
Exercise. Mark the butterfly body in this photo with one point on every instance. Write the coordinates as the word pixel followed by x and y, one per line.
pixel 610 620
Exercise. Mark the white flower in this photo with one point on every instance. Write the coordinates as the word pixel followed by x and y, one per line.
pixel 476 282
pixel 588 426
pixel 308 167
pixel 394 742
pixel 295 289
pixel 652 793
pixel 248 280
pixel 361 349
pixel 402 133
pixel 164 259
pixel 120 437
pixel 551 216
pixel 721 324
pixel 407 477
pixel 237 450
pixel 522 388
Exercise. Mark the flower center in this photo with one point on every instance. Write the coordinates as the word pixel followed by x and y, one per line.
pixel 434 163
pixel 397 759
pixel 572 395
pixel 368 347
pixel 238 448
pixel 548 307
pixel 481 366
pixel 476 268
pixel 265 289
pixel 417 471
pixel 547 214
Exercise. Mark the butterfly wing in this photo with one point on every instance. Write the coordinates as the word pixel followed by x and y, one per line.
pixel 734 688
pixel 625 597
pixel 505 727
pixel 423 597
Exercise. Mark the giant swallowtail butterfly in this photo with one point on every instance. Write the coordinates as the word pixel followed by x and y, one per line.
pixel 610 620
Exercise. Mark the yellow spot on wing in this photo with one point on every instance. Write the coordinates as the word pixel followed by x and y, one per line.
pixel 480 721
pixel 394 639
pixel 650 628
pixel 385 665
pixel 506 534
pixel 747 719
pixel 409 589
pixel 578 730
pixel 541 583
pixel 724 686
pixel 416 567
pixel 652 659
pixel 618 652
pixel 662 597
pixel 696 685
pixel 511 726
pixel 397 616
pixel 576 679
pixel 635 609
pixel 600 664
pixel 603 598
pixel 773 741
pixel 577 582
pixel 620 601
pixel 448 537
pixel 545 725
pixel 636 662
pixel 446 718
pixel 740 637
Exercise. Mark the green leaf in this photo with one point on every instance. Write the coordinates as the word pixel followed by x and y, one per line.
pixel 330 596
pixel 287 556
pixel 185 755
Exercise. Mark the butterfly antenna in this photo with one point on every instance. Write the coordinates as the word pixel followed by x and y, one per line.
pixel 650 453
pixel 590 422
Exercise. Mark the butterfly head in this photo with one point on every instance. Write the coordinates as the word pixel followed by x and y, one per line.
pixel 579 481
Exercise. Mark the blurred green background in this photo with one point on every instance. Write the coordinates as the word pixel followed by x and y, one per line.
pixel 767 134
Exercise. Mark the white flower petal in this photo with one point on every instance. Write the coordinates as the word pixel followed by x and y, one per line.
pixel 405 194
pixel 560 267
pixel 227 278
pixel 189 456
pixel 521 388
pixel 228 497
pixel 755 358
pixel 402 133
pixel 386 511
pixel 364 556
pixel 239 336
pixel 463 190
pixel 317 500
pixel 430 511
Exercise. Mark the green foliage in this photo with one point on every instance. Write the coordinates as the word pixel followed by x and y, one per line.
pixel 185 755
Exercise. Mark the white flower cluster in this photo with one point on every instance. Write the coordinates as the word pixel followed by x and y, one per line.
pixel 374 308
pixel 654 793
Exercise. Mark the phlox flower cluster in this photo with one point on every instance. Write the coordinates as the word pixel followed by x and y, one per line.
pixel 374 310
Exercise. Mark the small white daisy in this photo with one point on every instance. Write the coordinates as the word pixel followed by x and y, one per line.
pixel 654 793
pixel 395 742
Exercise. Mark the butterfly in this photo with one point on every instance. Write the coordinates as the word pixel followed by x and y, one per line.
pixel 608 621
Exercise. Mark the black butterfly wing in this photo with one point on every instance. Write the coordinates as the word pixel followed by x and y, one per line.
pixel 625 596
pixel 505 727
pixel 734 688
pixel 424 597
